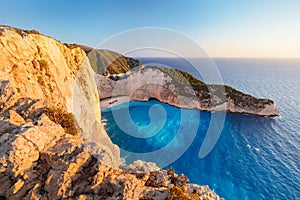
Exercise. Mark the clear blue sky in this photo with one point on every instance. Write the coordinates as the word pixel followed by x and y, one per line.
pixel 260 28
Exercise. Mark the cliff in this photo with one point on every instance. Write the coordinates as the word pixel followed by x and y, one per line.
pixel 44 76
pixel 52 142
pixel 180 89
pixel 107 62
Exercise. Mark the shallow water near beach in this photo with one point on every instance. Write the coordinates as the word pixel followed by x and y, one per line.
pixel 254 158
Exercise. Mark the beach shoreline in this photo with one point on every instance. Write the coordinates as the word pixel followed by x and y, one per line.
pixel 113 101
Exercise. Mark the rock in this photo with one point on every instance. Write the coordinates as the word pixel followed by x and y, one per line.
pixel 140 166
pixel 43 74
pixel 15 118
pixel 107 62
pixel 40 158
pixel 182 90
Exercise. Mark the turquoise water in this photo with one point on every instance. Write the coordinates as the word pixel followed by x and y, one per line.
pixel 254 158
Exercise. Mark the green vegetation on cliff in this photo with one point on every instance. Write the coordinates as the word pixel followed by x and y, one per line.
pixel 107 62
pixel 209 96
pixel 203 91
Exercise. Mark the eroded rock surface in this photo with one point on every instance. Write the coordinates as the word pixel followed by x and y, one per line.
pixel 182 90
pixel 39 160
pixel 41 75
pixel 48 146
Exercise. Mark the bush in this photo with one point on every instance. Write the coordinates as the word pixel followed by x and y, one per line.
pixel 180 193
pixel 41 81
pixel 66 120
pixel 21 32
pixel 43 63
pixel 31 31
pixel 180 77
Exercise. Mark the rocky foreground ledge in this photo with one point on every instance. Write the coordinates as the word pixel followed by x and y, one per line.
pixel 52 142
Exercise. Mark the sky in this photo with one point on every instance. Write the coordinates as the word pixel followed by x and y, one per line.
pixel 223 28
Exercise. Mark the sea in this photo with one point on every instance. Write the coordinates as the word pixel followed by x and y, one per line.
pixel 253 158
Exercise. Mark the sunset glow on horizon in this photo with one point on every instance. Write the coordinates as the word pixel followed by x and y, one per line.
pixel 230 28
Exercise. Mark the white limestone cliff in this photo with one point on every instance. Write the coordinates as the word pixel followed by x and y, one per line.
pixel 152 82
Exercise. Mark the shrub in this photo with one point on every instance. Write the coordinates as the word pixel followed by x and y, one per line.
pixel 180 77
pixel 43 63
pixel 31 32
pixel 41 81
pixel 180 193
pixel 21 32
pixel 66 120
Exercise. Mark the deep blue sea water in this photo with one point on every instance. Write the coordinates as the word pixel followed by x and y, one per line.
pixel 254 158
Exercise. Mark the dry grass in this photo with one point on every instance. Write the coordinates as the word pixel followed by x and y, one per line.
pixel 180 193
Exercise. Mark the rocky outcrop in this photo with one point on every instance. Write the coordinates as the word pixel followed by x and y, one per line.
pixel 107 62
pixel 181 89
pixel 45 76
pixel 52 145
pixel 39 160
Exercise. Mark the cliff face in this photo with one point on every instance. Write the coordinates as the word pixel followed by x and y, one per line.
pixel 52 78
pixel 47 90
pixel 181 89
pixel 52 144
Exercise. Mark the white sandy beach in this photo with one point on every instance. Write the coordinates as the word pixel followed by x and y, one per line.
pixel 113 101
